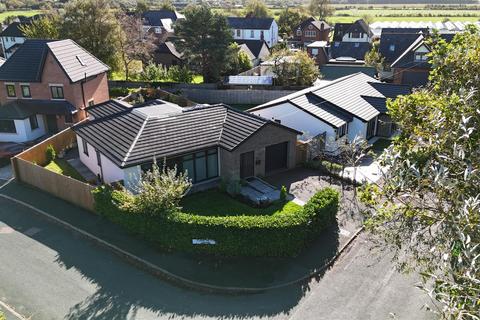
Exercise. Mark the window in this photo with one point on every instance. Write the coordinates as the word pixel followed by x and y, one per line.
pixel 315 51
pixel 158 30
pixel 91 102
pixel 252 34
pixel 341 131
pixel 12 39
pixel 7 126
pixel 420 57
pixel 392 47
pixel 357 44
pixel 310 33
pixel 199 166
pixel 337 44
pixel 33 122
pixel 26 91
pixel 99 158
pixel 239 32
pixel 85 147
pixel 11 90
pixel 299 32
pixel 355 35
pixel 57 92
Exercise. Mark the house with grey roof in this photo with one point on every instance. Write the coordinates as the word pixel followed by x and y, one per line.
pixel 337 111
pixel 209 142
pixel 256 50
pixel 311 30
pixel 251 28
pixel 45 86
pixel 160 22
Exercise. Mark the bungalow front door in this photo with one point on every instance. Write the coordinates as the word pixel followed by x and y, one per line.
pixel 247 165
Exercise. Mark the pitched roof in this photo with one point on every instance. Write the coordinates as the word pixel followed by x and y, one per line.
pixel 24 108
pixel 346 96
pixel 154 17
pixel 26 64
pixel 250 23
pixel 169 48
pixel 406 59
pixel 342 29
pixel 137 134
pixel 255 46
pixel 107 108
pixel 357 50
pixel 336 71
pixel 13 30
pixel 314 22
pixel 394 41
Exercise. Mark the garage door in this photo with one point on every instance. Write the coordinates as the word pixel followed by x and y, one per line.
pixel 276 157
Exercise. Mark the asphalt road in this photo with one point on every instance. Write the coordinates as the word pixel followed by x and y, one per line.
pixel 47 272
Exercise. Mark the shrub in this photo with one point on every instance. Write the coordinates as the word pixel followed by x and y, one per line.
pixel 119 92
pixel 50 153
pixel 283 234
pixel 180 74
pixel 153 72
pixel 283 194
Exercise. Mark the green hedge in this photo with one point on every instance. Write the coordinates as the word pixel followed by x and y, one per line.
pixel 277 235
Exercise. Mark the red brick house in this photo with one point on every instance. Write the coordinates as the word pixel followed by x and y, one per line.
pixel 311 30
pixel 45 86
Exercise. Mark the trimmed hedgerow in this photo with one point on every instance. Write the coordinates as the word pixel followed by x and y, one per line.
pixel 283 234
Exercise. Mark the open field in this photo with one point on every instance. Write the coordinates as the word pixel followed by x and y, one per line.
pixel 27 13
pixel 393 13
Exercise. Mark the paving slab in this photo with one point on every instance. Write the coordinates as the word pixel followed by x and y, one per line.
pixel 238 272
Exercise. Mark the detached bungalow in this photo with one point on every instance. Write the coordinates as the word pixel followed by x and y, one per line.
pixel 351 106
pixel 207 141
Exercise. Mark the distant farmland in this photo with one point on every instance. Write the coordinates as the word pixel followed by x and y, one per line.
pixel 26 13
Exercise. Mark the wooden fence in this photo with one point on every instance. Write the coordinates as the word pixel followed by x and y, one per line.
pixel 27 171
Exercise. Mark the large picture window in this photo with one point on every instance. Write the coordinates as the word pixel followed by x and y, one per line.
pixel 7 126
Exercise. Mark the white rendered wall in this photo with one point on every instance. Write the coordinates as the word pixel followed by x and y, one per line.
pixel 24 131
pixel 357 128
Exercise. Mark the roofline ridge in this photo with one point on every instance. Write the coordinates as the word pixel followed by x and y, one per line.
pixel 139 133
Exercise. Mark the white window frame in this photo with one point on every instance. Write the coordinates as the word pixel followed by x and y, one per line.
pixel 14 87
pixel 50 85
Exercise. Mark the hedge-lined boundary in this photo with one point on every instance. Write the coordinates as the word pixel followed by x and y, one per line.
pixel 277 235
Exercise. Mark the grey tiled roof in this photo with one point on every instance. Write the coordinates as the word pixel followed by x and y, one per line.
pixel 134 136
pixel 107 108
pixel 154 17
pixel 26 64
pixel 394 41
pixel 169 48
pixel 255 46
pixel 13 30
pixel 406 59
pixel 355 50
pixel 345 95
pixel 24 108
pixel 250 23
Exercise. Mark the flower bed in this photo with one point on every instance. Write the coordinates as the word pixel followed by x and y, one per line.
pixel 285 233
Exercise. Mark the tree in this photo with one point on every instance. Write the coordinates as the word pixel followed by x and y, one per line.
pixel 239 60
pixel 153 72
pixel 294 70
pixel 374 58
pixel 133 44
pixel 93 25
pixel 428 209
pixel 321 8
pixel 204 38
pixel 46 27
pixel 180 74
pixel 141 7
pixel 167 5
pixel 289 19
pixel 256 9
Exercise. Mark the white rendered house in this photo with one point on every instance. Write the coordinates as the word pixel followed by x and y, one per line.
pixel 254 29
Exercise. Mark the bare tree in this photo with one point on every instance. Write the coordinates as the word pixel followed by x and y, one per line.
pixel 133 42
pixel 321 8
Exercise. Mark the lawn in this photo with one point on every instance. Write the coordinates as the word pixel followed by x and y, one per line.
pixel 61 166
pixel 26 13
pixel 216 203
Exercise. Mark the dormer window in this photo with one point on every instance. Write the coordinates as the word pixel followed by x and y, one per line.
pixel 392 47
pixel 420 57
pixel 252 34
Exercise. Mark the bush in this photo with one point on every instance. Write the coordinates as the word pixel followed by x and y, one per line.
pixel 153 72
pixel 283 234
pixel 50 153
pixel 180 74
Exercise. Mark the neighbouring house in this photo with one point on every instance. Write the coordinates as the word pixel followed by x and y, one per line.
pixel 337 111
pixel 167 55
pixel 412 67
pixel 311 30
pixel 343 51
pixel 160 23
pixel 319 51
pixel 12 37
pixel 357 31
pixel 254 29
pixel 393 43
pixel 45 86
pixel 257 50
pixel 208 141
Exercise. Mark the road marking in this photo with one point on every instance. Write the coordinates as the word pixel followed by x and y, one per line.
pixel 12 311
pixel 32 231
